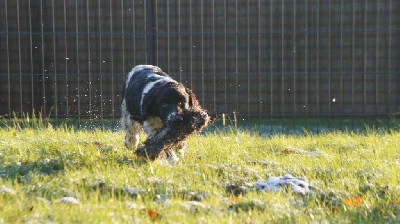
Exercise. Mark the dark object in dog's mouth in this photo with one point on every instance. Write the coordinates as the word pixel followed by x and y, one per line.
pixel 173 134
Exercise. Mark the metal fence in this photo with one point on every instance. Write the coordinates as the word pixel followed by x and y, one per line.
pixel 294 58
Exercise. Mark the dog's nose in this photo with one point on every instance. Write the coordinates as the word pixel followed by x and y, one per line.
pixel 176 119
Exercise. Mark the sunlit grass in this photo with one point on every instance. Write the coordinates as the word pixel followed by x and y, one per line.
pixel 41 164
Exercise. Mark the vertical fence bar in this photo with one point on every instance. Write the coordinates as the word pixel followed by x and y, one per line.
pixel 168 41
pixel 157 31
pixel 123 37
pixel 202 51
pixel 390 58
pixel 318 66
pixel 365 55
pixel 54 63
pixel 44 109
pixel 179 42
pixel 191 44
pixel 329 64
pixel 306 65
pixel 123 45
pixel 66 59
pixel 271 4
pixel 248 57
pixel 8 59
pixel 19 60
pixel 146 22
pixel 377 53
pixel 31 56
pixel 112 61
pixel 259 63
pixel 282 64
pixel 294 50
pixel 101 66
pixel 89 58
pixel 352 61
pixel 236 57
pixel 149 13
pixel 225 58
pixel 134 33
pixel 214 54
pixel 341 60
pixel 77 61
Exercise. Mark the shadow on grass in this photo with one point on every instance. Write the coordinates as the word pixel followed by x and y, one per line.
pixel 54 166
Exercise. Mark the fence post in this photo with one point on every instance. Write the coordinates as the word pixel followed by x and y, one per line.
pixel 36 67
pixel 150 31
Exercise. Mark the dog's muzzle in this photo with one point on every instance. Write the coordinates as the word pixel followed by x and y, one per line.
pixel 175 118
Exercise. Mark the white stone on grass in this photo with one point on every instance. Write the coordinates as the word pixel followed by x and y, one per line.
pixel 68 200
pixel 6 190
pixel 276 184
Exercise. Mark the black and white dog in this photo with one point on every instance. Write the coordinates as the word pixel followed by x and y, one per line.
pixel 151 98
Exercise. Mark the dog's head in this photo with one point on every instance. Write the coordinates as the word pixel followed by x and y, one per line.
pixel 169 101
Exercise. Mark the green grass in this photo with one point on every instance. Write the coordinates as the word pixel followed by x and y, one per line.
pixel 40 164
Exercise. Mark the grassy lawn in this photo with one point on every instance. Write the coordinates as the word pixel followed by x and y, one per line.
pixel 64 175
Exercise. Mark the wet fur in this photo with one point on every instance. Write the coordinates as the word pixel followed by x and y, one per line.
pixel 154 102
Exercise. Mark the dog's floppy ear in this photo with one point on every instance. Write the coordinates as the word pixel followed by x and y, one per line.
pixel 146 107
pixel 193 103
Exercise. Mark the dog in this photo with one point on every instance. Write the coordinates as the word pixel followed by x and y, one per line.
pixel 151 99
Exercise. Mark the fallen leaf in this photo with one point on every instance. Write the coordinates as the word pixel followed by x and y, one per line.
pixel 286 151
pixel 152 213
pixel 395 202
pixel 236 199
pixel 355 201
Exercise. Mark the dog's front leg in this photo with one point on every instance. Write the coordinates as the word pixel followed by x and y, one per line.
pixel 130 127
pixel 131 137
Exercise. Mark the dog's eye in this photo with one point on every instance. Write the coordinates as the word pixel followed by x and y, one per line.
pixel 164 105
pixel 181 104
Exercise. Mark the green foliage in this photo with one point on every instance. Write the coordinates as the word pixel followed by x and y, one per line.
pixel 395 121
pixel 42 168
